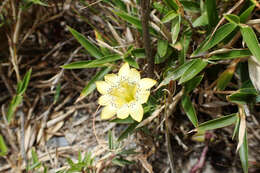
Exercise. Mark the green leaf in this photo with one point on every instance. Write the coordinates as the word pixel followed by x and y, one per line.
pixel 159 59
pixel 244 16
pixel 189 109
pixel 171 4
pixel 224 79
pixel 134 21
pixel 57 93
pixel 34 156
pixel 161 8
pixel 138 53
pixel 91 48
pixel 231 54
pixel 129 130
pixel 218 122
pixel 251 40
pixel 128 152
pixel 16 101
pixel 128 120
pixel 175 28
pixel 212 12
pixel 193 83
pixel 101 62
pixel 38 2
pixel 120 4
pixel 243 153
pixel 185 42
pixel 218 36
pixel 232 18
pixel 243 96
pixel 190 6
pixel 162 47
pixel 132 62
pixel 236 129
pixel 201 21
pixel 110 140
pixel 169 16
pixel 23 86
pixel 122 162
pixel 91 86
pixel 177 73
pixel 3 147
pixel 193 70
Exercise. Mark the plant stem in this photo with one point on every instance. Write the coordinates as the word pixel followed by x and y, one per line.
pixel 145 15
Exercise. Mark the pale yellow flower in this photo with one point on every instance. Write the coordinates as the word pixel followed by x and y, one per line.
pixel 124 94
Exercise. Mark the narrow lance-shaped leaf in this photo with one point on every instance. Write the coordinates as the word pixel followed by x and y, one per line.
pixel 251 41
pixel 235 132
pixel 129 130
pixel 134 21
pixel 231 54
pixel 185 42
pixel 110 140
pixel 232 18
pixel 101 62
pixel 22 88
pixel 171 4
pixel 218 36
pixel 189 109
pixel 169 16
pixel 218 123
pixel 193 70
pixel 3 147
pixel 243 96
pixel 175 28
pixel 243 153
pixel 226 76
pixel 91 84
pixel 162 47
pixel 211 12
pixel 193 83
pixel 244 16
pixel 177 73
pixel 91 48
pixel 190 6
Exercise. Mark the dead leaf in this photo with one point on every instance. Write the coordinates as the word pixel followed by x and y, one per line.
pixel 242 127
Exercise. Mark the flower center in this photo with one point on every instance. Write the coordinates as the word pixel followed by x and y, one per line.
pixel 124 93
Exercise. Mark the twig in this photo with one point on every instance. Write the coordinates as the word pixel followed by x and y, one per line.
pixel 145 14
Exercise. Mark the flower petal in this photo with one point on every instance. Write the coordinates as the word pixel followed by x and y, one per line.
pixel 102 87
pixel 108 112
pixel 147 83
pixel 123 112
pixel 105 100
pixel 142 96
pixel 124 71
pixel 135 75
pixel 137 112
pixel 111 79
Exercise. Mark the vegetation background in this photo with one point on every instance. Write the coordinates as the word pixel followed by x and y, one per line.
pixel 203 115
